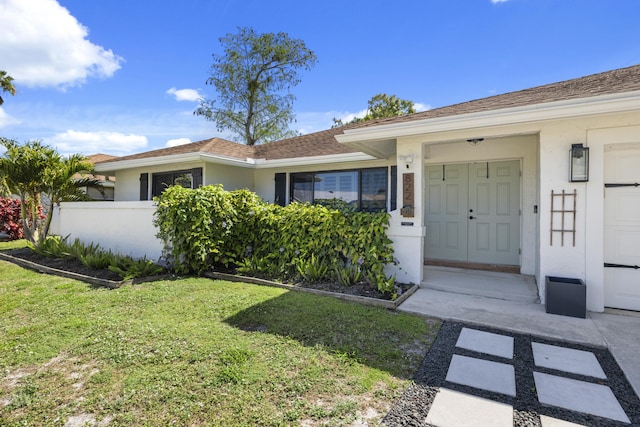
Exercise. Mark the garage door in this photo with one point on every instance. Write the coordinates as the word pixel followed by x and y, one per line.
pixel 622 228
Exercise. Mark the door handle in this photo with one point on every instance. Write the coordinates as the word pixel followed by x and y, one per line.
pixel 472 217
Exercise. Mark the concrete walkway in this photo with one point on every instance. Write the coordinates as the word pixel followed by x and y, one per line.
pixel 519 314
pixel 619 333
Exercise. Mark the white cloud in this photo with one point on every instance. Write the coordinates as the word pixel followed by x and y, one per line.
pixel 499 1
pixel 42 44
pixel 347 117
pixel 177 141
pixel 421 107
pixel 7 120
pixel 184 94
pixel 87 143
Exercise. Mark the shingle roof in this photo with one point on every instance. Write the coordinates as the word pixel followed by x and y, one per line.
pixel 610 82
pixel 313 144
pixel 100 157
pixel 217 146
pixel 323 142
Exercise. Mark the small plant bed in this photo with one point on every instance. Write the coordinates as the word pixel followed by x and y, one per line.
pixel 363 289
pixel 86 262
pixel 65 264
pixel 18 250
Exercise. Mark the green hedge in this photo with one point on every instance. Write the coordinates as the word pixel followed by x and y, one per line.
pixel 209 228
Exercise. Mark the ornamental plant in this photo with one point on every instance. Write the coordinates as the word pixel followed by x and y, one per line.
pixel 10 221
pixel 210 228
pixel 10 218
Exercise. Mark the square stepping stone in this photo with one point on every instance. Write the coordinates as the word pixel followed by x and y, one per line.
pixel 580 396
pixel 454 409
pixel 567 360
pixel 546 421
pixel 483 374
pixel 486 342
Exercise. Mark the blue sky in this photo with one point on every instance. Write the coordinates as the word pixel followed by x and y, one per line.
pixel 123 76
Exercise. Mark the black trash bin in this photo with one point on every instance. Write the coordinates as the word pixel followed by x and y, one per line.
pixel 566 296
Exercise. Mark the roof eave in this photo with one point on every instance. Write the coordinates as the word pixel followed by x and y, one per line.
pixel 171 159
pixel 603 104
pixel 231 161
pixel 313 160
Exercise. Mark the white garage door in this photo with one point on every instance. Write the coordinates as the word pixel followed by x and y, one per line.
pixel 622 228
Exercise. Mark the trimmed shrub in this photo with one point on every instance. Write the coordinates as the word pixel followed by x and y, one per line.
pixel 210 228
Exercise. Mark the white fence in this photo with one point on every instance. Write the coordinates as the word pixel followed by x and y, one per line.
pixel 122 227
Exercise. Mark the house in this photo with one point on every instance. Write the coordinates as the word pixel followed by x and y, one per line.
pixel 541 181
pixel 107 182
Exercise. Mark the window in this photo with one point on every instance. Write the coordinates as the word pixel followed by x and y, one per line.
pixel 191 178
pixel 362 189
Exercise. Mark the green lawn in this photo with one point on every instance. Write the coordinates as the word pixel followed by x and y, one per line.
pixel 196 352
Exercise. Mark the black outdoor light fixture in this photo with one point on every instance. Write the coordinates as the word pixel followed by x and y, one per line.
pixel 579 163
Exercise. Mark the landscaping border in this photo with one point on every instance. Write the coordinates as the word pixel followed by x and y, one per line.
pixel 112 284
pixel 392 305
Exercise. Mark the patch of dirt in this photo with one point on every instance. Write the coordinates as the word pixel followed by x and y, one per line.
pixel 87 420
pixel 69 370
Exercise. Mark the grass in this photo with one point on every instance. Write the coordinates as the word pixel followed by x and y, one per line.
pixel 196 352
pixel 13 244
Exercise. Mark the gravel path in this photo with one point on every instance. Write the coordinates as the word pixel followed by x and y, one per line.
pixel 414 405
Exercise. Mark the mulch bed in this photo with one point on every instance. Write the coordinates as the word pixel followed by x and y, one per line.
pixel 74 266
pixel 71 265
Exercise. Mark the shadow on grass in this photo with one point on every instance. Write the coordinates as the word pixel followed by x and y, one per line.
pixel 377 337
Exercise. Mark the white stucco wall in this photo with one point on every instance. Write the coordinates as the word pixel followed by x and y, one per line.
pixel 128 180
pixel 585 260
pixel 231 177
pixel 123 227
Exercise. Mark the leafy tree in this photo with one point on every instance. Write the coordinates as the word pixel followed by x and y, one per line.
pixel 66 180
pixel 6 84
pixel 253 79
pixel 381 106
pixel 35 172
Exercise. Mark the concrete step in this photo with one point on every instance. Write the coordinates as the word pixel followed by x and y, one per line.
pixel 504 286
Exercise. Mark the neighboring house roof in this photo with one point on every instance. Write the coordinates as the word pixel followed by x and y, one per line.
pixel 100 157
pixel 324 143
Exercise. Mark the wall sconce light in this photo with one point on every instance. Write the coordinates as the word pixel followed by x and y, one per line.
pixel 475 141
pixel 579 163
pixel 407 159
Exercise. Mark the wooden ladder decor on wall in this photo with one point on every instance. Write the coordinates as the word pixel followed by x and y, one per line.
pixel 566 214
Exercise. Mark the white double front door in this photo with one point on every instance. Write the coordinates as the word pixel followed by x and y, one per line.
pixel 472 212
